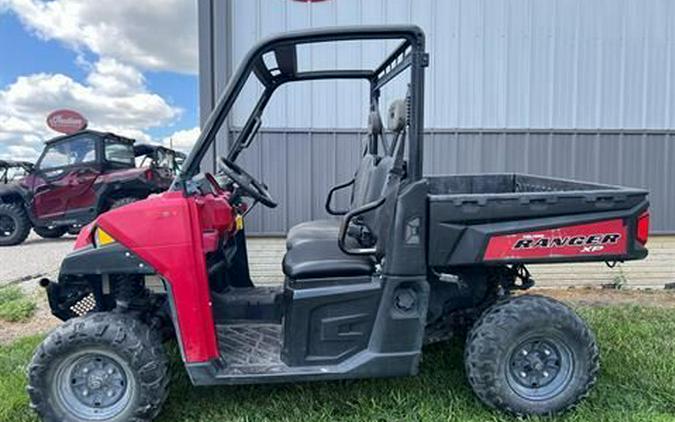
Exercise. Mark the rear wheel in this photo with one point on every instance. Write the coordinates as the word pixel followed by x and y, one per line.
pixel 50 232
pixel 101 367
pixel 531 355
pixel 14 224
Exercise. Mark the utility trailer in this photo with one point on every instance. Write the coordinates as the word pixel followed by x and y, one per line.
pixel 413 260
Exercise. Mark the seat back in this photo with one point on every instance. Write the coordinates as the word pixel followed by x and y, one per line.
pixel 384 180
pixel 377 176
pixel 375 189
pixel 362 191
pixel 397 123
pixel 385 213
pixel 362 180
pixel 375 181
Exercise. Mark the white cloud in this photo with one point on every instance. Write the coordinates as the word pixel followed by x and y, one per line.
pixel 113 98
pixel 113 78
pixel 128 36
pixel 158 35
pixel 182 140
pixel 20 152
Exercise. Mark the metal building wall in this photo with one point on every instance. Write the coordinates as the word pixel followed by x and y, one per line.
pixel 572 88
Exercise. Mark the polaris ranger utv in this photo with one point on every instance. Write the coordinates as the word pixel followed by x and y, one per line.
pixel 415 259
pixel 76 178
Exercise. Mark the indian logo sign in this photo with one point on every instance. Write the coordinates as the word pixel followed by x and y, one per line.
pixel 66 121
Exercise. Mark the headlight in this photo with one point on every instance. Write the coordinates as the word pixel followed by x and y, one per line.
pixel 102 238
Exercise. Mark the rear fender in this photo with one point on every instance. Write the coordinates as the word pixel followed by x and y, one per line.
pixel 106 192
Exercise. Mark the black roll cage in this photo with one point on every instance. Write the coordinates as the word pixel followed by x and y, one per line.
pixel 6 165
pixel 409 54
pixel 153 151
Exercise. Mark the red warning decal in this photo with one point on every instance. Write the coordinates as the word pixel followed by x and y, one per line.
pixel 601 238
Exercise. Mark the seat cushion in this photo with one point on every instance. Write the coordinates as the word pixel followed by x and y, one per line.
pixel 321 259
pixel 313 230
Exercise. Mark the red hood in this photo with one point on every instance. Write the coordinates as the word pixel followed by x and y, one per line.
pixel 172 234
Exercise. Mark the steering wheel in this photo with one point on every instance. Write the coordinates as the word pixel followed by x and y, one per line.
pixel 253 188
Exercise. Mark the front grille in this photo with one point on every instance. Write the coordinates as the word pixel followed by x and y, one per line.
pixel 84 305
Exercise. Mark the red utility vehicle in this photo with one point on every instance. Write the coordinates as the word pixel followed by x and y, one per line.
pixel 76 178
pixel 414 260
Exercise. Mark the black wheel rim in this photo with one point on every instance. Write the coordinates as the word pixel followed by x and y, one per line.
pixel 7 226
pixel 540 368
pixel 94 385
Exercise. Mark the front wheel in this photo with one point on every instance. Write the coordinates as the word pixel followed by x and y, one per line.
pixel 14 224
pixel 74 230
pixel 531 355
pixel 100 367
pixel 50 232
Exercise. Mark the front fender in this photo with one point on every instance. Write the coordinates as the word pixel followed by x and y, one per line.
pixel 80 287
pixel 110 259
pixel 11 192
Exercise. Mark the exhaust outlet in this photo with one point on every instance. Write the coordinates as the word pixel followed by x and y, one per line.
pixel 44 282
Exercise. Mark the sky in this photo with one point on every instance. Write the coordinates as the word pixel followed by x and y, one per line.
pixel 128 67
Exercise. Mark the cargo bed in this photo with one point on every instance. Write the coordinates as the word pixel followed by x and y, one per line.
pixel 467 211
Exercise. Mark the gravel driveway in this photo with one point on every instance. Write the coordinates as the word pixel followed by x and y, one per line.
pixel 33 259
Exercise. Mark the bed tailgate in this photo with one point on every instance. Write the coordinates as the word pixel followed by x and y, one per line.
pixel 602 238
pixel 537 227
pixel 578 238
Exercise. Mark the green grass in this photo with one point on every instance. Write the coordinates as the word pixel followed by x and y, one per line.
pixel 15 306
pixel 637 383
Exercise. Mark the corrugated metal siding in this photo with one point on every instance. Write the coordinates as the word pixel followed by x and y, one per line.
pixel 599 72
pixel 494 63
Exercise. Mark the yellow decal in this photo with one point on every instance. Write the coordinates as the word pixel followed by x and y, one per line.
pixel 102 238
